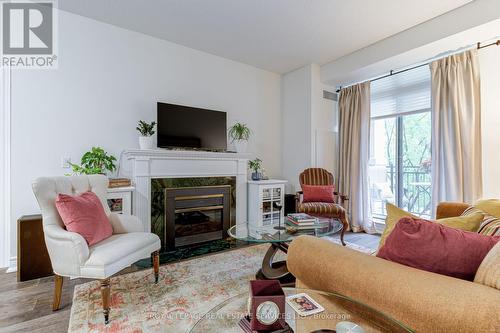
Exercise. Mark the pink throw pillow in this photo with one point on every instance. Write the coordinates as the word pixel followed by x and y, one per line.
pixel 318 193
pixel 85 215
pixel 436 248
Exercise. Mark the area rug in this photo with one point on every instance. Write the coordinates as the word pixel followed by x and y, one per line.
pixel 186 290
pixel 354 246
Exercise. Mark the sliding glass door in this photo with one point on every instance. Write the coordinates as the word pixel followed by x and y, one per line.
pixel 400 164
pixel 400 143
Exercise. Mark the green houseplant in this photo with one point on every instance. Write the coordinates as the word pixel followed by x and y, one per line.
pixel 255 165
pixel 146 131
pixel 239 134
pixel 95 161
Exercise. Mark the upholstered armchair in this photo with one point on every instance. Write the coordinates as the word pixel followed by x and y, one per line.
pixel 69 253
pixel 319 176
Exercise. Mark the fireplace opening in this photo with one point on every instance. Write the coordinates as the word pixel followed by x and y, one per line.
pixel 196 214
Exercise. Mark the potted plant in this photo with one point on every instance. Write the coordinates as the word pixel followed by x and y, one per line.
pixel 239 134
pixel 255 165
pixel 95 161
pixel 146 130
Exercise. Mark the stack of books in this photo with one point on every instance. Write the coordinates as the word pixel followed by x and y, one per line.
pixel 303 221
pixel 119 182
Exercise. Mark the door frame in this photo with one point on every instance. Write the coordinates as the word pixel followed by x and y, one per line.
pixel 5 154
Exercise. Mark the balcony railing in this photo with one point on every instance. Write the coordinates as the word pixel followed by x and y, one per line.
pixel 415 191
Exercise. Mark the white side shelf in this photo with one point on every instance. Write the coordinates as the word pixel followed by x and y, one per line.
pixel 120 199
pixel 263 198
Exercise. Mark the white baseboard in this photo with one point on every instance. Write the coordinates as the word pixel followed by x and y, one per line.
pixel 12 265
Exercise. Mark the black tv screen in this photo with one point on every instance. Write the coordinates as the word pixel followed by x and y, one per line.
pixel 189 127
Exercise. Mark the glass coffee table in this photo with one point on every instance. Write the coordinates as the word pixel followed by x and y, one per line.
pixel 278 240
pixel 225 316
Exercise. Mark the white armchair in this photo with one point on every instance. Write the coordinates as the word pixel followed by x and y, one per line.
pixel 69 253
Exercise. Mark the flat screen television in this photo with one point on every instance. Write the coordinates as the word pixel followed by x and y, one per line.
pixel 182 126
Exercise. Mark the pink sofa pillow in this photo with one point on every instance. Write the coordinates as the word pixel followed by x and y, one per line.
pixel 85 215
pixel 318 193
pixel 436 248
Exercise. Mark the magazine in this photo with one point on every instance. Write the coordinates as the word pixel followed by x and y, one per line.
pixel 301 218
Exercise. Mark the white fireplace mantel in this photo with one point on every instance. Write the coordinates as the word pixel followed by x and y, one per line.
pixel 143 165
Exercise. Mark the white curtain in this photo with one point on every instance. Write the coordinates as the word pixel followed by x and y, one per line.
pixel 354 153
pixel 456 129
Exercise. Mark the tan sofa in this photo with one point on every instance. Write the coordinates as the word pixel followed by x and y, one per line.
pixel 424 301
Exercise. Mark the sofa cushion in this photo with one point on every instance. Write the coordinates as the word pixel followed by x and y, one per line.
pixel 84 214
pixel 436 248
pixel 489 270
pixel 118 246
pixel 489 206
pixel 394 214
pixel 490 225
pixel 119 251
pixel 318 193
pixel 469 222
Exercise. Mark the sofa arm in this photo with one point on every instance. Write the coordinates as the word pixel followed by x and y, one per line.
pixel 426 302
pixel 67 250
pixel 450 209
pixel 123 224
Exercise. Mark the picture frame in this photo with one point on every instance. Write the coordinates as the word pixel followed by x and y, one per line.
pixel 304 305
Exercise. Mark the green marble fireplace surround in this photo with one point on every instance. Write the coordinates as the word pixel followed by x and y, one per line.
pixel 158 186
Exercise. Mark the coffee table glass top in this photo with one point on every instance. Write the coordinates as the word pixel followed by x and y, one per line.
pixel 269 234
pixel 225 316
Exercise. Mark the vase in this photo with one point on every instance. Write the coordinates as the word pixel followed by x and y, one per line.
pixel 145 142
pixel 256 175
pixel 240 146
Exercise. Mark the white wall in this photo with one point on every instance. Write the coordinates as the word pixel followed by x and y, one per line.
pixel 325 129
pixel 308 124
pixel 5 79
pixel 296 127
pixel 490 113
pixel 109 78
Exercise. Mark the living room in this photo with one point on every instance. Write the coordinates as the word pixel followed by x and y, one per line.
pixel 164 162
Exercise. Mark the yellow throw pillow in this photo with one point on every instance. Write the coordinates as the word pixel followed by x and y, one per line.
pixel 490 225
pixel 488 272
pixel 489 206
pixel 467 223
pixel 394 214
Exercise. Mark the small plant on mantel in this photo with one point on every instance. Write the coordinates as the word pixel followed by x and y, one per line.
pixel 239 134
pixel 95 161
pixel 147 130
pixel 255 165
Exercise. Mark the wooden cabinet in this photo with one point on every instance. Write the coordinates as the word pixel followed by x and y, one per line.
pixel 266 202
pixel 32 257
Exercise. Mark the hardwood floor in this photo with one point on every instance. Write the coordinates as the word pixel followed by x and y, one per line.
pixel 27 306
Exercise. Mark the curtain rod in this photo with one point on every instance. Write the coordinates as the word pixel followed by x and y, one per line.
pixel 392 72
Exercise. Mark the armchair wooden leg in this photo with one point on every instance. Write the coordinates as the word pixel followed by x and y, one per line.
pixel 345 224
pixel 156 265
pixel 58 284
pixel 106 297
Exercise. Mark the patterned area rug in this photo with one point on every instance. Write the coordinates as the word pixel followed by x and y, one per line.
pixel 185 292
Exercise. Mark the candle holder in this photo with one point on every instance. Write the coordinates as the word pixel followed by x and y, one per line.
pixel 279 207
